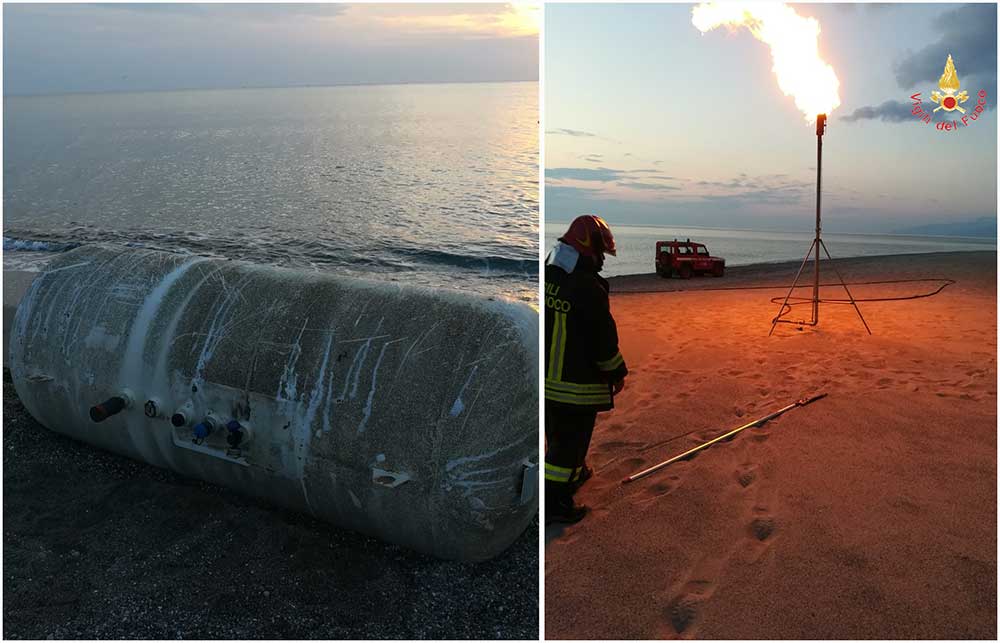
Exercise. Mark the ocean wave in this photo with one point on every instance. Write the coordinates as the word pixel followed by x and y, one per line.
pixel 478 262
pixel 13 244
pixel 494 266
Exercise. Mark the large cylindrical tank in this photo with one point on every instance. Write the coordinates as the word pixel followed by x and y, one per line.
pixel 407 413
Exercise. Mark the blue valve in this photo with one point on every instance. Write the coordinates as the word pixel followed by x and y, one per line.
pixel 201 431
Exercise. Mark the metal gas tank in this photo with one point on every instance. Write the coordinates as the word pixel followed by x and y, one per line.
pixel 407 413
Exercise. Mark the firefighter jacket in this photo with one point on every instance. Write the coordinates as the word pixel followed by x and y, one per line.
pixel 582 359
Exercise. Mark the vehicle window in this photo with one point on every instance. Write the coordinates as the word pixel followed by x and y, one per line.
pixel 702 250
pixel 684 250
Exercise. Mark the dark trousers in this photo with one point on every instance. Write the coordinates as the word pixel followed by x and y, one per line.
pixel 567 438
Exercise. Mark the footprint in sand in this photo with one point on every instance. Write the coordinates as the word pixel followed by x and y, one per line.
pixel 659 488
pixel 746 475
pixel 624 468
pixel 762 525
pixel 682 611
pixel 762 528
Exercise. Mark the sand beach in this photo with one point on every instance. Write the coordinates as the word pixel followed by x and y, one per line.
pixel 868 514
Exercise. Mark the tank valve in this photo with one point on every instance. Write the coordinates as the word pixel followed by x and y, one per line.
pixel 237 433
pixel 180 416
pixel 111 406
pixel 107 408
pixel 203 429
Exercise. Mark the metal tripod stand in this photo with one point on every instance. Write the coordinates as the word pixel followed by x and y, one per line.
pixel 817 243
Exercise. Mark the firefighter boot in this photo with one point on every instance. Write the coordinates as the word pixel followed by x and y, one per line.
pixel 560 508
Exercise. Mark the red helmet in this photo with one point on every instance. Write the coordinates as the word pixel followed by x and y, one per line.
pixel 590 235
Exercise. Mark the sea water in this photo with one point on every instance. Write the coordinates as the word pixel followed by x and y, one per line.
pixel 636 245
pixel 434 185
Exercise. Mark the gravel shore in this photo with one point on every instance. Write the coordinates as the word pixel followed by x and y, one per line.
pixel 97 546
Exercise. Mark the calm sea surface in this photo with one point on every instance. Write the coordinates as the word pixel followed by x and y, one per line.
pixel 637 245
pixel 429 184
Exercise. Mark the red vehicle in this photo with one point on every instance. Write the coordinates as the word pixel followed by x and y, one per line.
pixel 685 259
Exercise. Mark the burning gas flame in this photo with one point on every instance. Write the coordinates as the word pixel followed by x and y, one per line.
pixel 793 39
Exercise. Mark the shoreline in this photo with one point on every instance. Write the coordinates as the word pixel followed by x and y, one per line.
pixel 781 273
pixel 803 231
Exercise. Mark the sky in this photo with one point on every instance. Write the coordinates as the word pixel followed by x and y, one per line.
pixel 64 48
pixel 649 121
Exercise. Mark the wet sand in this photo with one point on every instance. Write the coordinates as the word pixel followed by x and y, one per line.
pixel 98 546
pixel 868 514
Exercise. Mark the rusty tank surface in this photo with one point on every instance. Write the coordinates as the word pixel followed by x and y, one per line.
pixel 406 413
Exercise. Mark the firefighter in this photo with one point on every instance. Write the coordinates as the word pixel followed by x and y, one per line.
pixel 584 369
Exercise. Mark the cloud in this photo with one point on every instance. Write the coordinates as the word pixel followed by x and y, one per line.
pixel 57 48
pixel 570 132
pixel 647 186
pixel 601 174
pixel 468 20
pixel 604 174
pixel 969 34
pixel 650 185
pixel 743 190
pixel 256 11
pixel 657 173
pixel 892 111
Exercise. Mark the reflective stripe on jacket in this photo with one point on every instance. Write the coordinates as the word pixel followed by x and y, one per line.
pixel 581 340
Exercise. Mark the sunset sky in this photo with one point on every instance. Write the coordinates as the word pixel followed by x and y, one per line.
pixel 57 48
pixel 649 121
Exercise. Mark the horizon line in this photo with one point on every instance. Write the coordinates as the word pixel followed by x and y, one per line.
pixel 254 87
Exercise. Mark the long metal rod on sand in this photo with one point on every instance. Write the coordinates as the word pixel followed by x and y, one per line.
pixel 657 467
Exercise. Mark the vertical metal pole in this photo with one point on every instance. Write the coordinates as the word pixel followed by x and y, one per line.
pixel 820 128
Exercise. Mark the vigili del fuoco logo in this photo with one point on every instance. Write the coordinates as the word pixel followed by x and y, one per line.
pixel 951 100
